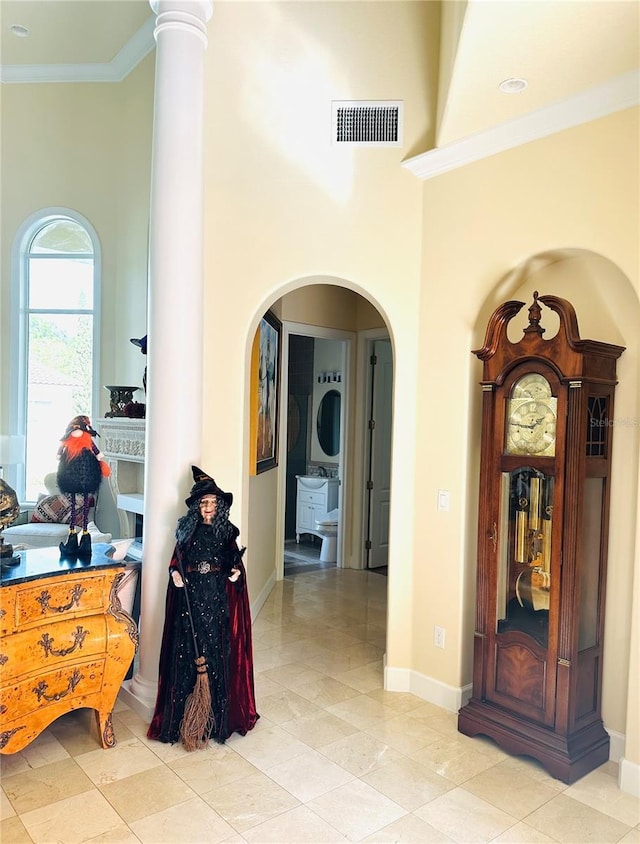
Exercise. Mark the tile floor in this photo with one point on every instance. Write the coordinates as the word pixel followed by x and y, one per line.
pixel 304 556
pixel 333 758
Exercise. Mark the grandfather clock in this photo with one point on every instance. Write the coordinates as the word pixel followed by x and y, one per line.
pixel 545 480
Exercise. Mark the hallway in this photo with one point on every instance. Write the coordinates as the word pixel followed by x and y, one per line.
pixel 333 758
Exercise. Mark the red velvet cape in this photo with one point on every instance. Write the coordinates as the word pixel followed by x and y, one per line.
pixel 242 714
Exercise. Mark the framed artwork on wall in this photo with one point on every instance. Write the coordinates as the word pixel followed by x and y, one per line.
pixel 265 384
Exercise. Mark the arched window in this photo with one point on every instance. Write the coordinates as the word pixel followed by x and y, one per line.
pixel 58 325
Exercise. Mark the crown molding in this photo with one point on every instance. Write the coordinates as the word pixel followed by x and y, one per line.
pixel 139 46
pixel 615 95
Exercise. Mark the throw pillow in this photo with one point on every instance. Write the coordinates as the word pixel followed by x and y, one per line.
pixel 57 509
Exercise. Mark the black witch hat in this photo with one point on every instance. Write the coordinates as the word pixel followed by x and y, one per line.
pixel 141 343
pixel 79 423
pixel 205 485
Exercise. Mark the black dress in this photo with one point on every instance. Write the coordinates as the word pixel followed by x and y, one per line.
pixel 225 643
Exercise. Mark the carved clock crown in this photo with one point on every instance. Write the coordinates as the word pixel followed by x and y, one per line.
pixel 565 351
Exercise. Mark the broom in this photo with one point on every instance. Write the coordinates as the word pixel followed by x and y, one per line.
pixel 198 721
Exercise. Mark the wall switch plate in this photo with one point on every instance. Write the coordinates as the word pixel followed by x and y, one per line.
pixel 443 499
pixel 438 636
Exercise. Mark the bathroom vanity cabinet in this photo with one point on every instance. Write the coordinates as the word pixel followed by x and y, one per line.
pixel 315 498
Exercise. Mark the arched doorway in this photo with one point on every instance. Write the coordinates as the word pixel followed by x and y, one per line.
pixel 319 310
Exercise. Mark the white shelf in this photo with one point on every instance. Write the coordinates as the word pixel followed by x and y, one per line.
pixel 131 502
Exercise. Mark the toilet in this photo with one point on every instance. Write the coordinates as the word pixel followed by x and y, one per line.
pixel 327 528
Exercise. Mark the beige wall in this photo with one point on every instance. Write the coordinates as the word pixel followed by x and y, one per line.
pixel 329 305
pixel 84 147
pixel 132 232
pixel 284 207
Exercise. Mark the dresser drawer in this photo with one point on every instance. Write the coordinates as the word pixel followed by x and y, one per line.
pixel 63 647
pixel 51 644
pixel 7 610
pixel 70 683
pixel 305 497
pixel 54 598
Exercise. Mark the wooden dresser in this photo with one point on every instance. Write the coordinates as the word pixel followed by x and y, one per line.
pixel 66 643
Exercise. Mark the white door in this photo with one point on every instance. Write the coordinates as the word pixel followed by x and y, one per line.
pixel 379 484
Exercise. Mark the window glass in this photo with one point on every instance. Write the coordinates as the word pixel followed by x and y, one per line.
pixel 58 388
pixel 57 380
pixel 62 236
pixel 61 283
pixel 590 575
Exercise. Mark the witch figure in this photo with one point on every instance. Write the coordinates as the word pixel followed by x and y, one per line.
pixel 205 684
pixel 81 467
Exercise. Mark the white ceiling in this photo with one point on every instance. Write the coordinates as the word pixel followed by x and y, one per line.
pixel 69 31
pixel 562 47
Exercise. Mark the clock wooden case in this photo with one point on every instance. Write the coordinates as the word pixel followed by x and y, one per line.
pixel 545 479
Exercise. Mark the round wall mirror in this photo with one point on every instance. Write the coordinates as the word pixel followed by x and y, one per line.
pixel 329 423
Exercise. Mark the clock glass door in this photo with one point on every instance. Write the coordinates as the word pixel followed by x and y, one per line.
pixel 524 576
pixel 524 651
pixel 523 654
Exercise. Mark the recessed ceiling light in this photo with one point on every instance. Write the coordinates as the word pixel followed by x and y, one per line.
pixel 19 30
pixel 514 85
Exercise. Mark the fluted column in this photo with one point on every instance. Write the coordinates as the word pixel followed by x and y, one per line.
pixel 175 312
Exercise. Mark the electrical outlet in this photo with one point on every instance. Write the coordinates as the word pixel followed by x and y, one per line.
pixel 438 636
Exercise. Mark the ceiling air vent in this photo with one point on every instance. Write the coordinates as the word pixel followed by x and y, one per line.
pixel 367 123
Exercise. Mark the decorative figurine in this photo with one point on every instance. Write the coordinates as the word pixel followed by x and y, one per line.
pixel 205 688
pixel 119 399
pixel 9 512
pixel 142 345
pixel 81 467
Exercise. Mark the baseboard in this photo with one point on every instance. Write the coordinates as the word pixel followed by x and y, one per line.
pixel 616 746
pixel 628 772
pixel 629 777
pixel 426 688
pixel 466 692
pixel 258 603
pixel 138 699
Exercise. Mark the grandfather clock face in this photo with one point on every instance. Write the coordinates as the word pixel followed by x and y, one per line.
pixel 531 417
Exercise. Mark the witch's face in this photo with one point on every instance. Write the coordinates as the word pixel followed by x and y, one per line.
pixel 208 506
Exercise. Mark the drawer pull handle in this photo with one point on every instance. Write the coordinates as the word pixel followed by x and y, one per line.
pixel 78 638
pixel 45 597
pixel 40 689
pixel 6 736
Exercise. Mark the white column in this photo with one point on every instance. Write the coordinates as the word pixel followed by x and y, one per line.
pixel 175 313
